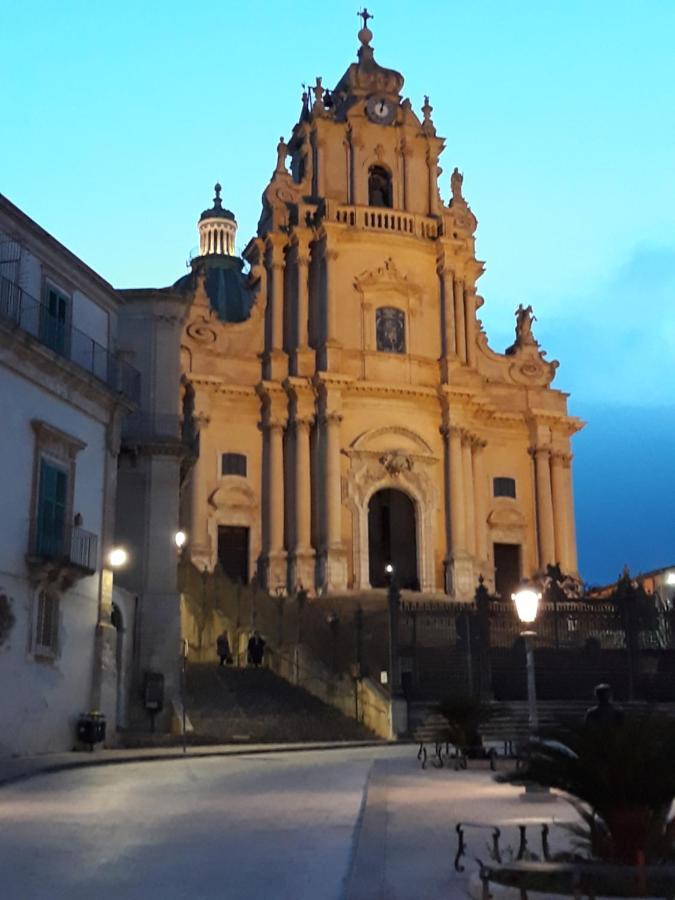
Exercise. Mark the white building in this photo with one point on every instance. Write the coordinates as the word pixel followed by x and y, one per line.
pixel 64 392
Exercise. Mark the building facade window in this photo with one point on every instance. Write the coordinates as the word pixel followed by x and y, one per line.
pixel 52 506
pixel 233 464
pixel 379 187
pixel 55 319
pixel 504 487
pixel 390 329
pixel 46 625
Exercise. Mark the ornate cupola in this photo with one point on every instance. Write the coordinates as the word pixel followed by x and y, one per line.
pixel 217 229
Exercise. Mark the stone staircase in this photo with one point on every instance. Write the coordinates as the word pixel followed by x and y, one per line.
pixel 227 704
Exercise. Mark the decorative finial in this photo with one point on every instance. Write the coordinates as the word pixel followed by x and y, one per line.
pixel 365 34
pixel 217 202
pixel 427 109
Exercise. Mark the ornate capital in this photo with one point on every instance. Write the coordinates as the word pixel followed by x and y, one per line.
pixel 561 458
pixel 539 452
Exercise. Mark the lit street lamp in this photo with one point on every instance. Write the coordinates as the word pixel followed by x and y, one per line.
pixel 118 557
pixel 180 539
pixel 527 597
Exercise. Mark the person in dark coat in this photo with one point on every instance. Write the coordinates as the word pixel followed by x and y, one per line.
pixel 223 648
pixel 604 714
pixel 256 649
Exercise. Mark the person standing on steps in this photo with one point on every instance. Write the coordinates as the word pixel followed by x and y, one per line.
pixel 223 648
pixel 256 649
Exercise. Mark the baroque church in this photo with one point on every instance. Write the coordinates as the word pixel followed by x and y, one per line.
pixel 351 415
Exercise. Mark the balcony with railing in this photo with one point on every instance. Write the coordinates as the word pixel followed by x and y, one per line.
pixel 379 218
pixel 61 550
pixel 32 316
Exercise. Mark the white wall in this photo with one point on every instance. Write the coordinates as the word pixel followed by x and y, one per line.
pixel 39 700
pixel 90 318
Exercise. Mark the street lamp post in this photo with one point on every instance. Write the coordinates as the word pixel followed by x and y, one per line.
pixel 527 597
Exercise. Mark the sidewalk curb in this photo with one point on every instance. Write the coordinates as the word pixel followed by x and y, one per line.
pixel 84 760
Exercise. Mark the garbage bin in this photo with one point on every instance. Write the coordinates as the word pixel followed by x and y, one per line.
pixel 91 728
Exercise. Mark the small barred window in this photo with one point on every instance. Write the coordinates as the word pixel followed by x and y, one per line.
pixel 47 624
pixel 504 487
pixel 233 464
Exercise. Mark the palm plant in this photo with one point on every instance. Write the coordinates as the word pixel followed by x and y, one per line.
pixel 620 778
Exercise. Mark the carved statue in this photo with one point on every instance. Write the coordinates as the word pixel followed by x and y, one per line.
pixel 282 153
pixel 456 181
pixel 524 319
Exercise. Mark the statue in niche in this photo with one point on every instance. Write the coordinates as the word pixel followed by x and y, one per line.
pixel 390 329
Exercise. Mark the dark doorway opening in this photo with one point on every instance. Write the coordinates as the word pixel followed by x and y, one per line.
pixel 233 552
pixel 507 569
pixel 392 538
pixel 379 187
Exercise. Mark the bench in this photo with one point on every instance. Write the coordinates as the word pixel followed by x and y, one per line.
pixel 445 752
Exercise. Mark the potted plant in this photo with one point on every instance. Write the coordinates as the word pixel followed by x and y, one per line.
pixel 620 778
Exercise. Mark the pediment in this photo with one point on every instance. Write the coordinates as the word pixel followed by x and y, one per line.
pixel 390 438
pixel 233 493
pixel 506 517
pixel 386 278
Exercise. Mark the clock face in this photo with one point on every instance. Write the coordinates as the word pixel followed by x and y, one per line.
pixel 380 110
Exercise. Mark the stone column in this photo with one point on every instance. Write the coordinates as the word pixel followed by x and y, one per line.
pixel 276 283
pixel 456 481
pixel 330 257
pixel 405 153
pixel 303 563
pixel 448 292
pixel 274 555
pixel 470 324
pixel 460 327
pixel 469 512
pixel 303 362
pixel 333 487
pixel 480 499
pixel 571 527
pixel 276 360
pixel 200 545
pixel 560 510
pixel 546 532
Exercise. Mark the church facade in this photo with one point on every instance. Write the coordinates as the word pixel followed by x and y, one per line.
pixel 351 414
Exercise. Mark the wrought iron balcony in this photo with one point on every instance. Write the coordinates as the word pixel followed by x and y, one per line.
pixel 33 317
pixel 61 549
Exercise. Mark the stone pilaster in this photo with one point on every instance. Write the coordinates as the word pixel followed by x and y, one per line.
pixel 460 319
pixel 470 324
pixel 302 563
pixel 200 544
pixel 446 281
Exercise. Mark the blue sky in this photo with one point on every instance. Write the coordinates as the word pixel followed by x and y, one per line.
pixel 118 118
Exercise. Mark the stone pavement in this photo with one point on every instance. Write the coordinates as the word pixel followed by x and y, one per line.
pixel 406 839
pixel 378 826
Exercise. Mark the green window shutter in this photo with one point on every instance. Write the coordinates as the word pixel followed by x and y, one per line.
pixel 51 516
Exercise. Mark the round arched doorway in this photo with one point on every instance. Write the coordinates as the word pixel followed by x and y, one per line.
pixel 392 538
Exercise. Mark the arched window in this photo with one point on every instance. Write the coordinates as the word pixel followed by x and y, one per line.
pixel 379 187
pixel 390 329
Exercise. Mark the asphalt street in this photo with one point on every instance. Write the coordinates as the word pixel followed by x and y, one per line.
pixel 347 824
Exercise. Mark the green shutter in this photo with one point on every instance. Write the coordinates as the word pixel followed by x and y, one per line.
pixel 51 517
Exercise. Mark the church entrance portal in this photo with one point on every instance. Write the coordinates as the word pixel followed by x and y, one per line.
pixel 233 552
pixel 392 538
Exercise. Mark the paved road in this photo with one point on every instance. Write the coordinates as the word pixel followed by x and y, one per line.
pixel 283 826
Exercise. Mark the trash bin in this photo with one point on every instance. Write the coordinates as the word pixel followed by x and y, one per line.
pixel 91 728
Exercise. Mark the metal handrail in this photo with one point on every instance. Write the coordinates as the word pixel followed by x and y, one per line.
pixel 33 317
